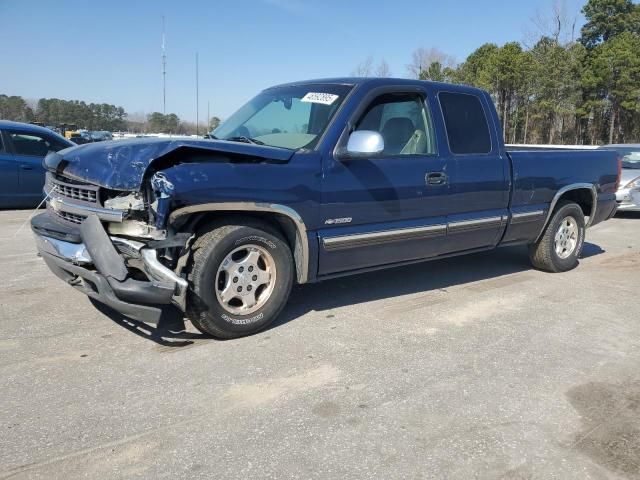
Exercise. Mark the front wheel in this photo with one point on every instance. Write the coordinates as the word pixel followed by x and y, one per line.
pixel 241 276
pixel 561 244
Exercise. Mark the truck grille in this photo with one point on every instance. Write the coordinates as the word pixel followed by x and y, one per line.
pixel 74 190
pixel 70 217
pixel 77 193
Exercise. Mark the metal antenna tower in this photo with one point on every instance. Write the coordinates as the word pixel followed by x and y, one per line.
pixel 197 95
pixel 164 72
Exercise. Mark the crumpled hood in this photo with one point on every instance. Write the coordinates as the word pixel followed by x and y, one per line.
pixel 122 164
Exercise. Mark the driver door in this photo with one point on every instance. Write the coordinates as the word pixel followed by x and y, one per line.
pixel 391 207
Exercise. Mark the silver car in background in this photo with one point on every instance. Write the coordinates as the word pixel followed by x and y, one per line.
pixel 628 194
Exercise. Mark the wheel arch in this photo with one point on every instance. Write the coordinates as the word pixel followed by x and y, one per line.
pixel 284 218
pixel 585 195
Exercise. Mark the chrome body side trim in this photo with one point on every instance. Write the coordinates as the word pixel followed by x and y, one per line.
pixel 562 191
pixel 301 253
pixel 75 253
pixel 524 217
pixel 363 239
pixel 477 224
pixel 104 214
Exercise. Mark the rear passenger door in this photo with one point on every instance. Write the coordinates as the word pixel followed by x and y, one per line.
pixel 478 173
pixel 9 187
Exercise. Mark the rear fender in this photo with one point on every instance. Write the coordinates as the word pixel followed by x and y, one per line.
pixel 589 187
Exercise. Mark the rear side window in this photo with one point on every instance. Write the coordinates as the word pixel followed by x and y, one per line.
pixel 1 143
pixel 33 145
pixel 465 122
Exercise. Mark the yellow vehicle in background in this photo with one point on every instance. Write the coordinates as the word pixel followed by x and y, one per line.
pixel 68 129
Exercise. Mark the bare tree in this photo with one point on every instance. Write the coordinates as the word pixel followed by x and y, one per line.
pixel 366 69
pixel 558 22
pixel 382 70
pixel 363 69
pixel 422 58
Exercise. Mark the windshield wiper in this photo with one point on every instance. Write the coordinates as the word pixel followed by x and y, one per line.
pixel 244 139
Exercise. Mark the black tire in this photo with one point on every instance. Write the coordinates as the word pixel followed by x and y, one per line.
pixel 210 249
pixel 543 253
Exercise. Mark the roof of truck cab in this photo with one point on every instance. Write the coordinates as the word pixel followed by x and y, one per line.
pixel 379 82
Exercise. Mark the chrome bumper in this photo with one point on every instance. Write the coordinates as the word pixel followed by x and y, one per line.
pixel 628 199
pixel 75 253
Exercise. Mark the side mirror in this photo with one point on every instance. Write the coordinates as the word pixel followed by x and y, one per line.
pixel 363 144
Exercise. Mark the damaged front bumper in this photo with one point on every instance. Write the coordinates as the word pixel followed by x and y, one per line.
pixel 91 261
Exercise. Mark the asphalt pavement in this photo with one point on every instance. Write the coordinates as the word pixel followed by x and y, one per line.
pixel 473 367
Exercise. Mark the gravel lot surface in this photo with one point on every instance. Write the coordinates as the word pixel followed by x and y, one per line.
pixel 474 367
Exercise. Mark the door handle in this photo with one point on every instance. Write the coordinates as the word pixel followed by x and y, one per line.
pixel 436 178
pixel 26 167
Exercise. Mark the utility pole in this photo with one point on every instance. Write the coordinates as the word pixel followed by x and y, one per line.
pixel 197 94
pixel 208 118
pixel 164 73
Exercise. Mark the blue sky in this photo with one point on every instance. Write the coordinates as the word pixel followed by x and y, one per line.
pixel 110 51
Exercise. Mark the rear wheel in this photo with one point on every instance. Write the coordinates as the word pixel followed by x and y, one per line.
pixel 559 248
pixel 240 277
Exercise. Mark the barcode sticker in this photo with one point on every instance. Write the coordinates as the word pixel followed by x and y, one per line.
pixel 317 97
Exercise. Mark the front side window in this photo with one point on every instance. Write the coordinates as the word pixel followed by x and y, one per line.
pixel 404 123
pixel 33 145
pixel 466 124
pixel 290 117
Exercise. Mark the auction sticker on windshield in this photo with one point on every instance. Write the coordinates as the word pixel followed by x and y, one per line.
pixel 318 97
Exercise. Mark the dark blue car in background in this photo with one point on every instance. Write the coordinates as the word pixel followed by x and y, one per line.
pixel 22 148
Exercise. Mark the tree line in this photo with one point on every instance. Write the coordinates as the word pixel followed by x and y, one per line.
pixel 95 116
pixel 55 112
pixel 157 122
pixel 560 90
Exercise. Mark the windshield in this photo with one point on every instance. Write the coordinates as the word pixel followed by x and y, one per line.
pixel 290 117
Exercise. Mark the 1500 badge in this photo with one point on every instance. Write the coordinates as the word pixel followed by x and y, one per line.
pixel 335 221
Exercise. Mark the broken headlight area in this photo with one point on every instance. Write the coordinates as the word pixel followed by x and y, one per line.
pixel 143 225
pixel 139 214
pixel 125 201
pixel 135 229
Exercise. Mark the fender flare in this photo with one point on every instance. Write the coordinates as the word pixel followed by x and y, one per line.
pixel 301 248
pixel 574 186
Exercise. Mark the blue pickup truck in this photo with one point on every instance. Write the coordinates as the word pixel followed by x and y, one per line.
pixel 306 182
